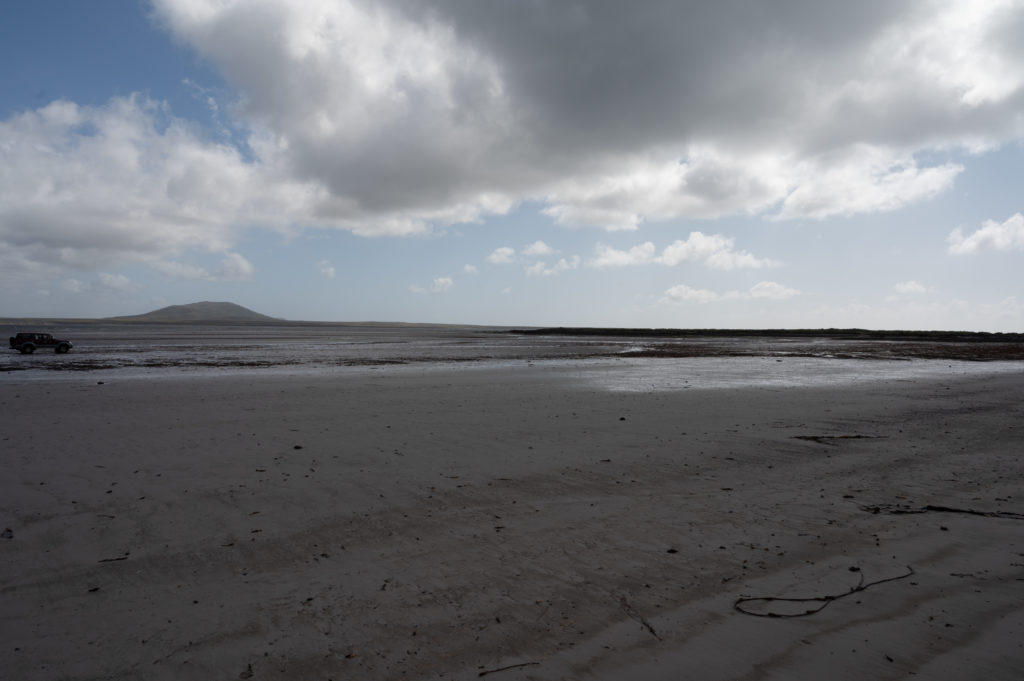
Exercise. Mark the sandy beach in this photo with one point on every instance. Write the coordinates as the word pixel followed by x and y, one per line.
pixel 509 522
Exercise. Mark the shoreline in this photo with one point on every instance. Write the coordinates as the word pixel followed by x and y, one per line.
pixel 826 366
pixel 99 347
pixel 442 523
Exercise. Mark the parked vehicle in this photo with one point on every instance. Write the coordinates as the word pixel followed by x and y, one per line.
pixel 26 343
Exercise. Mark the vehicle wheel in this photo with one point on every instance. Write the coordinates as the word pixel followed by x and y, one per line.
pixel 61 349
pixel 28 349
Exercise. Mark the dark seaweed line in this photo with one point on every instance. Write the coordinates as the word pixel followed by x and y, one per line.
pixel 842 334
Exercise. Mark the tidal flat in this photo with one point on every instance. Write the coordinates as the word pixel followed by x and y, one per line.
pixel 390 502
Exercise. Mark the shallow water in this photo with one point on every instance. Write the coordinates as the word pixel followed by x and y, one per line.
pixel 155 349
pixel 152 350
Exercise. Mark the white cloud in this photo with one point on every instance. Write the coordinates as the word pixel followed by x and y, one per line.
pixel 906 290
pixel 695 181
pixel 233 267
pixel 538 248
pixel 682 293
pixel 326 269
pixel 563 265
pixel 612 257
pixel 89 187
pixel 502 255
pixel 993 235
pixel 910 287
pixel 865 180
pixel 96 186
pixel 536 269
pixel 438 285
pixel 179 270
pixel 116 282
pixel 772 290
pixel 714 251
pixel 103 281
pixel 470 269
pixel 769 290
pixel 441 284
pixel 540 268
pixel 206 96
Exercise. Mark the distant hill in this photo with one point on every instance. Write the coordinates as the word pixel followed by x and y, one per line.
pixel 200 312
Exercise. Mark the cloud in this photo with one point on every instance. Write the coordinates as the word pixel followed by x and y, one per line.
pixel 470 269
pixel 907 290
pixel 992 236
pixel 540 268
pixel 396 117
pixel 768 290
pixel 326 269
pixel 910 287
pixel 502 255
pixel 98 186
pixel 417 113
pixel 538 248
pixel 104 281
pixel 697 181
pixel 438 285
pixel 116 282
pixel 865 181
pixel 714 251
pixel 772 290
pixel 179 270
pixel 536 269
pixel 611 257
pixel 682 293
pixel 206 96
pixel 233 267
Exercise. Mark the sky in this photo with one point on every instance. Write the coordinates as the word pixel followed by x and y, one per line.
pixel 736 164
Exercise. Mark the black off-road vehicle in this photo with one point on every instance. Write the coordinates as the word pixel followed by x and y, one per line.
pixel 26 343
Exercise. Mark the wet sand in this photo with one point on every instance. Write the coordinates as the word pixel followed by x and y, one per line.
pixel 509 522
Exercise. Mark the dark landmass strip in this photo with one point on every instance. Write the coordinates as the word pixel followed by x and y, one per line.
pixel 962 351
pixel 837 334
pixel 823 343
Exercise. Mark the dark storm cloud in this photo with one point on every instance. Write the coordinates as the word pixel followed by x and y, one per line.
pixel 612 112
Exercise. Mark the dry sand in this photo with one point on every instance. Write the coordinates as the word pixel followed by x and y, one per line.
pixel 513 523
